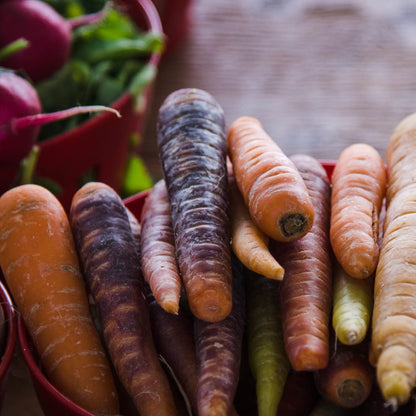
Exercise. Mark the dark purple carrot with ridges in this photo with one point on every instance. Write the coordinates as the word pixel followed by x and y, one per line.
pixel 157 245
pixel 192 150
pixel 218 349
pixel 107 251
pixel 306 290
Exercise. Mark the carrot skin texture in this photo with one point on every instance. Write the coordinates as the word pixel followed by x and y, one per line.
pixel 272 188
pixel 218 348
pixel 192 150
pixel 157 245
pixel 393 346
pixel 306 290
pixel 358 189
pixel 266 352
pixel 106 247
pixel 347 381
pixel 248 242
pixel 352 306
pixel 42 271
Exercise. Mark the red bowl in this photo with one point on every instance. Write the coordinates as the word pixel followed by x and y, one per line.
pixel 176 21
pixel 100 145
pixel 7 349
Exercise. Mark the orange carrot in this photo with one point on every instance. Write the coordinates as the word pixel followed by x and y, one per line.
pixel 271 186
pixel 393 346
pixel 306 289
pixel 157 246
pixel 41 268
pixel 358 190
pixel 248 242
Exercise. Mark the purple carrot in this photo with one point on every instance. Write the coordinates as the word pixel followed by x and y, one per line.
pixel 192 150
pixel 111 266
pixel 218 348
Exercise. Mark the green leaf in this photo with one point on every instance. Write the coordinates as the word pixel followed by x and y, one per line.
pixel 137 178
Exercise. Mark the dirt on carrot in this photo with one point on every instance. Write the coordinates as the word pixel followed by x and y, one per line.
pixel 40 264
pixel 269 182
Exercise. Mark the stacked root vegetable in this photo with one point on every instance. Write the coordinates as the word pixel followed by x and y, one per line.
pixel 249 283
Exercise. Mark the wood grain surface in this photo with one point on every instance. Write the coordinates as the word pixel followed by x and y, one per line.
pixel 318 74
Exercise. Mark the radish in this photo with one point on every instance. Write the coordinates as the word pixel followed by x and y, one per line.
pixel 21 118
pixel 47 32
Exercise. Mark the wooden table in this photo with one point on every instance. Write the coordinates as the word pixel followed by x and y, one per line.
pixel 318 74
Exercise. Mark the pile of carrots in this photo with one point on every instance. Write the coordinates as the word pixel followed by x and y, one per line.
pixel 250 282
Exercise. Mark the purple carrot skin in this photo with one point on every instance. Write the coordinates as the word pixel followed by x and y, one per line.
pixel 299 394
pixel 111 267
pixel 306 290
pixel 174 340
pixel 136 230
pixel 218 348
pixel 192 150
pixel 46 31
pixel 157 245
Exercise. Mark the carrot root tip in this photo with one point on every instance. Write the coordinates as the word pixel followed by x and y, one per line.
pixel 292 224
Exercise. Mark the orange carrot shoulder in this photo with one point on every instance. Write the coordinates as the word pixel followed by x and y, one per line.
pixel 272 187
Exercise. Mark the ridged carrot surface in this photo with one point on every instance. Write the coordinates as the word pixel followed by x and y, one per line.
pixel 42 271
pixel 192 150
pixel 306 289
pixel 393 346
pixel 358 190
pixel 271 186
pixel 157 246
pixel 108 253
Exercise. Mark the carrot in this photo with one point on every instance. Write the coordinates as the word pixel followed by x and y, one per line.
pixel 324 407
pixel 106 247
pixel 358 189
pixel 393 347
pixel 136 230
pixel 352 306
pixel 270 184
pixel 299 394
pixel 218 348
pixel 42 271
pixel 306 290
pixel 348 379
pixel 157 245
pixel 248 242
pixel 174 340
pixel 266 352
pixel 192 150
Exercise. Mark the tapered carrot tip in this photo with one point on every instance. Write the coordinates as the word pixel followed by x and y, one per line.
pixel 211 305
pixel 170 304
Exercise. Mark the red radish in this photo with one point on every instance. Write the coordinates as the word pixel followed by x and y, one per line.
pixel 47 32
pixel 20 118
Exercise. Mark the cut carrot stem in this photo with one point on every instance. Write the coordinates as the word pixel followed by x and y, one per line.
pixel 270 184
pixel 40 264
pixel 358 190
pixel 306 289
